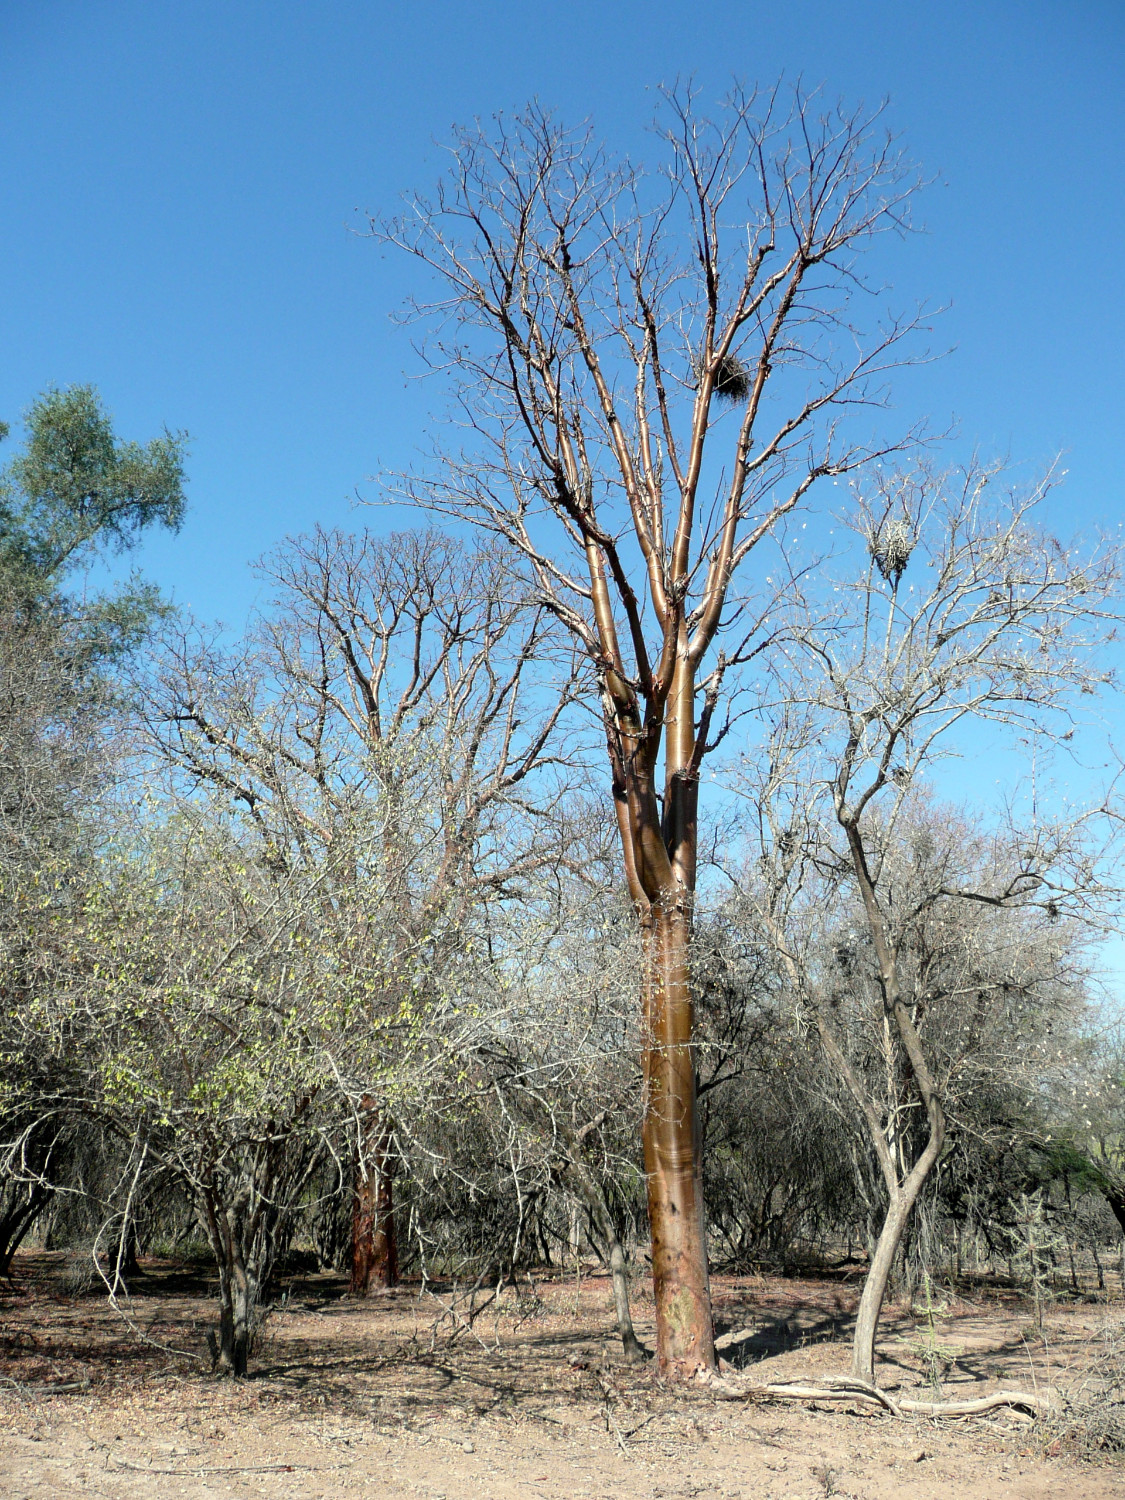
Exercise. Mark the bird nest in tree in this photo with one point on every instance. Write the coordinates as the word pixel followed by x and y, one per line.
pixel 891 545
pixel 732 379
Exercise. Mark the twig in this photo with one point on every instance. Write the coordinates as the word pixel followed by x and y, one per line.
pixel 611 1421
pixel 24 1388
pixel 455 1317
pixel 200 1473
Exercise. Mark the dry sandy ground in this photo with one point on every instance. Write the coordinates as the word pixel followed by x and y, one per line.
pixel 349 1399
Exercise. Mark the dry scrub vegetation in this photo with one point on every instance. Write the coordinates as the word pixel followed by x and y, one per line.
pixel 507 892
pixel 403 1395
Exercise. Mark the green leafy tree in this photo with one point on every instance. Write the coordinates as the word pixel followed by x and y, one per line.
pixel 77 487
pixel 74 491
pixel 77 492
pixel 216 1013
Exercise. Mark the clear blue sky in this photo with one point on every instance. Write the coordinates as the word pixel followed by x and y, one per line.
pixel 179 180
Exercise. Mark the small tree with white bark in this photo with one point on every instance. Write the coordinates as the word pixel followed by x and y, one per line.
pixel 959 609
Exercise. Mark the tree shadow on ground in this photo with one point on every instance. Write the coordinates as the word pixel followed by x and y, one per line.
pixel 780 1333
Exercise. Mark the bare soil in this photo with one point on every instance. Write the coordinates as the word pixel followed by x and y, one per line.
pixel 399 1397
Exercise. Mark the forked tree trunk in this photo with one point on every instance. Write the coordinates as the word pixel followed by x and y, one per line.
pixel 237 1301
pixel 901 1195
pixel 26 1192
pixel 121 1257
pixel 875 1284
pixel 238 1296
pixel 21 1208
pixel 374 1243
pixel 238 1288
pixel 684 1333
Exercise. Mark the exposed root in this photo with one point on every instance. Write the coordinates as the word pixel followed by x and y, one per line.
pixel 831 1390
pixel 1037 1405
pixel 802 1388
pixel 849 1388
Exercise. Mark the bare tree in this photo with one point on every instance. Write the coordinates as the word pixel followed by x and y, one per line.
pixel 388 721
pixel 1089 1139
pixel 653 369
pixel 1002 626
pixel 58 754
pixel 214 1008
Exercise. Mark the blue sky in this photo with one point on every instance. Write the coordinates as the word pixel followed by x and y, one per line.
pixel 181 183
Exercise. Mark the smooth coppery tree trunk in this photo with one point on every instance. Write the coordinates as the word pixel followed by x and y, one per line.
pixel 673 1169
pixel 659 839
pixel 374 1243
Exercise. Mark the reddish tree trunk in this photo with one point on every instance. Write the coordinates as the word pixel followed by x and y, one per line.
pixel 684 1333
pixel 374 1245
